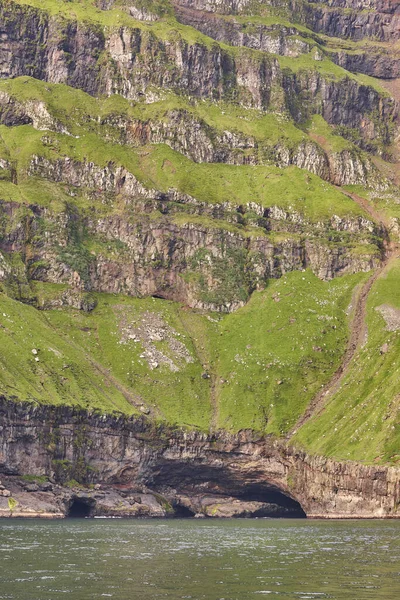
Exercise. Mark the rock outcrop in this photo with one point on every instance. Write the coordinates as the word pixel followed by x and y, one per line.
pixel 379 19
pixel 133 61
pixel 211 266
pixel 139 469
pixel 198 141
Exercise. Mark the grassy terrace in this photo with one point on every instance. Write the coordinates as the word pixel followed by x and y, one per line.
pixel 79 112
pixel 265 361
pixel 162 168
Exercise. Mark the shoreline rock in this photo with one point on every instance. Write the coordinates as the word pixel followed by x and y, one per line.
pixel 110 465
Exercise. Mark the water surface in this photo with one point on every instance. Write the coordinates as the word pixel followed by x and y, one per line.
pixel 214 560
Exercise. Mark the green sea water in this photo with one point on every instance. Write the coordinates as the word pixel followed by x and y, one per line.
pixel 81 559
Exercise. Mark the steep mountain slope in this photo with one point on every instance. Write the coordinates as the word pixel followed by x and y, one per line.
pixel 199 215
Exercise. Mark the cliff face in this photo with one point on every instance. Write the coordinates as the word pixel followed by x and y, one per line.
pixel 196 139
pixel 149 63
pixel 286 39
pixel 155 254
pixel 336 18
pixel 138 468
pixel 131 61
pixel 240 158
pixel 345 19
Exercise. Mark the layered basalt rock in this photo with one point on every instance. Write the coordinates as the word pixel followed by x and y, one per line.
pixel 355 21
pixel 351 19
pixel 127 62
pixel 198 141
pixel 377 19
pixel 131 62
pixel 336 99
pixel 275 39
pixel 380 62
pixel 139 469
pixel 100 225
pixel 203 264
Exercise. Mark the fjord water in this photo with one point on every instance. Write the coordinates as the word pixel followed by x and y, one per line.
pixel 212 560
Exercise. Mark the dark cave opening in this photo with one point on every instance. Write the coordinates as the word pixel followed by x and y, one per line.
pixel 182 512
pixel 80 508
pixel 200 480
pixel 278 504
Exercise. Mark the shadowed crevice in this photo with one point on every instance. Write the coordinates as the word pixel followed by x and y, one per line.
pixel 81 508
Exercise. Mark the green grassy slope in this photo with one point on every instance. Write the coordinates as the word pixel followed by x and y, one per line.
pixel 63 374
pixel 256 368
pixel 275 352
pixel 362 420
pixel 86 360
pixel 159 167
pixel 115 334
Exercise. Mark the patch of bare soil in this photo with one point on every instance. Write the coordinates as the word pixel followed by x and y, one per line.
pixel 158 339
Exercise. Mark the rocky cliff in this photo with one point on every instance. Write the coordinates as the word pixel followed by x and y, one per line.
pixel 137 468
pixel 199 229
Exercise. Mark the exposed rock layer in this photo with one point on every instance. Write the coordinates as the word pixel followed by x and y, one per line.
pixel 170 245
pixel 131 62
pixel 203 265
pixel 198 141
pixel 185 467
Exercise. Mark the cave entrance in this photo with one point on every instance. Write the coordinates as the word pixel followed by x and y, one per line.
pixel 277 503
pixel 80 508
pixel 182 512
pixel 200 480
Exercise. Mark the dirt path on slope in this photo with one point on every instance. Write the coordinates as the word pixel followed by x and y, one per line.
pixel 357 325
pixel 367 207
